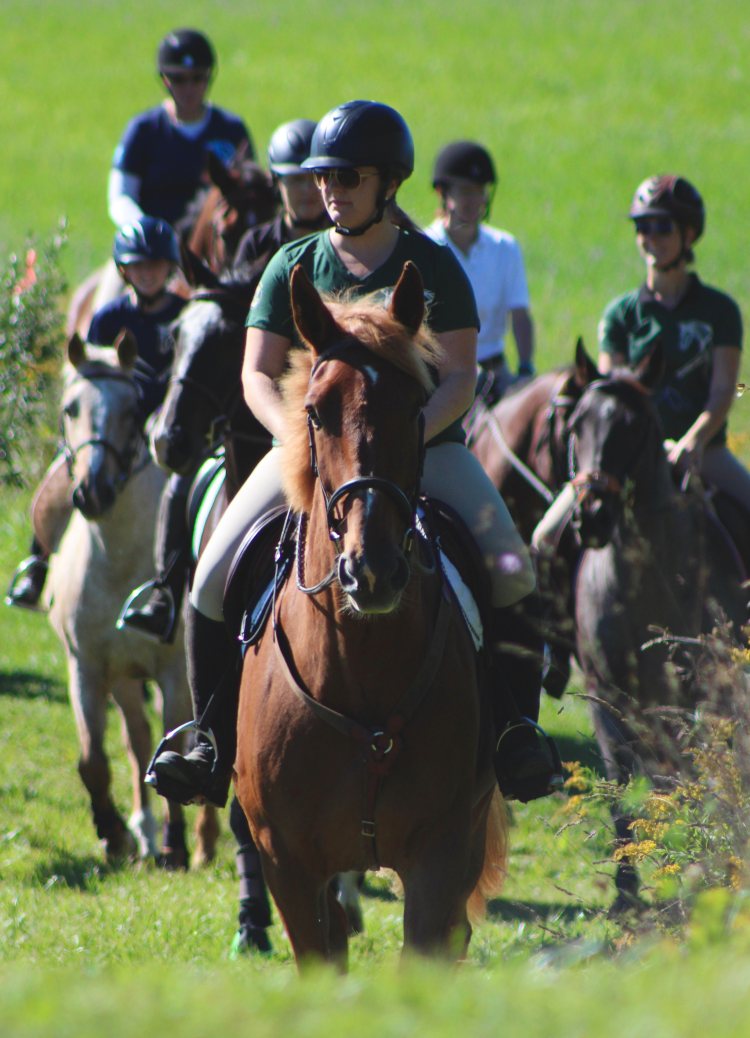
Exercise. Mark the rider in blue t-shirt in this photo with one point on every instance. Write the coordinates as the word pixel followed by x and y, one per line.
pixel 146 254
pixel 160 162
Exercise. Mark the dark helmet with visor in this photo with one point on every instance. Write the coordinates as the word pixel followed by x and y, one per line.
pixel 185 49
pixel 464 159
pixel 290 146
pixel 672 196
pixel 147 239
pixel 363 133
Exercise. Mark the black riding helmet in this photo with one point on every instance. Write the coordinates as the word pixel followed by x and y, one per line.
pixel 147 239
pixel 363 133
pixel 187 49
pixel 290 146
pixel 464 159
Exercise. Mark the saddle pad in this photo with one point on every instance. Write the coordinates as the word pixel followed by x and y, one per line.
pixel 206 503
pixel 465 600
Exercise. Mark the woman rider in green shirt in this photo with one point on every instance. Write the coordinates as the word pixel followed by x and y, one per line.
pixel 360 153
pixel 700 329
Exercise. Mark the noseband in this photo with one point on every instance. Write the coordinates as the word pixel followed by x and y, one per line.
pixel 125 458
pixel 598 481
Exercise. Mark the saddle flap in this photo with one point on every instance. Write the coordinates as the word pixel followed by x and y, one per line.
pixel 254 576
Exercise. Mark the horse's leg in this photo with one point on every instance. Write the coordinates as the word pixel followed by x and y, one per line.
pixel 313 918
pixel 436 889
pixel 347 886
pixel 88 698
pixel 620 763
pixel 206 831
pixel 128 694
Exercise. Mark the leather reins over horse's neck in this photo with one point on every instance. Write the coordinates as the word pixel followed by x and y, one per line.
pixel 483 417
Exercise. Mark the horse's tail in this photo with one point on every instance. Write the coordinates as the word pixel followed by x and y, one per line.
pixel 494 870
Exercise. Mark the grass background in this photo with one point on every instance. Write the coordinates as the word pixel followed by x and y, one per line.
pixel 578 100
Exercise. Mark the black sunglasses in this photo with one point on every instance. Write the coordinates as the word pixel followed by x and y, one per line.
pixel 179 78
pixel 344 177
pixel 655 225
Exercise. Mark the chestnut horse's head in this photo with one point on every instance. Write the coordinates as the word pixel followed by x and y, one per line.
pixel 101 423
pixel 354 448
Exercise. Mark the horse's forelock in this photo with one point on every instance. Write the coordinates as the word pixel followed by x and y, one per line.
pixel 374 328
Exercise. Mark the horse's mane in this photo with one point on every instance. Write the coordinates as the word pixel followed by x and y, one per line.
pixel 371 326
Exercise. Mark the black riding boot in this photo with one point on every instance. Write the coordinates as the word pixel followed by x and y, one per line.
pixel 213 671
pixel 527 764
pixel 27 583
pixel 157 614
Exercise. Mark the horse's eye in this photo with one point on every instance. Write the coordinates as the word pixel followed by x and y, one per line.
pixel 71 410
pixel 312 414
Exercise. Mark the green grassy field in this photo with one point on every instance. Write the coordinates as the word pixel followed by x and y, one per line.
pixel 578 100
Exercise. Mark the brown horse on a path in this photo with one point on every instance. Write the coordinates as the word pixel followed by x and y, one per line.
pixel 360 742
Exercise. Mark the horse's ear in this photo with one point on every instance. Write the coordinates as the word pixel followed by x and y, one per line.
pixel 585 369
pixel 650 370
pixel 76 350
pixel 312 318
pixel 197 273
pixel 407 302
pixel 126 346
pixel 220 176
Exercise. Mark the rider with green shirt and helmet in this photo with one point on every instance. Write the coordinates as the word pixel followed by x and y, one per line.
pixel 360 154
pixel 698 327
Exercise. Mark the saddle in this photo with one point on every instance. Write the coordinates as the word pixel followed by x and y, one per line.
pixel 264 559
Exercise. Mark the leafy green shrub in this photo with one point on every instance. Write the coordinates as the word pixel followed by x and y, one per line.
pixel 31 333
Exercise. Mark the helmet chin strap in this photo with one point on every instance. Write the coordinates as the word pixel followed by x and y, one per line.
pixel 354 232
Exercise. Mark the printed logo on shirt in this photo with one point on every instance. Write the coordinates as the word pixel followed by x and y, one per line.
pixel 694 335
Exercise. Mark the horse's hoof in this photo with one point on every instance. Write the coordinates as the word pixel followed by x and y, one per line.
pixel 250 940
pixel 626 904
pixel 173 860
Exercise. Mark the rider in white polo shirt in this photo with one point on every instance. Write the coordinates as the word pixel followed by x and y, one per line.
pixel 464 178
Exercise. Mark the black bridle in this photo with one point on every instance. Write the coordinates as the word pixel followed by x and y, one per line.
pixel 406 506
pixel 125 458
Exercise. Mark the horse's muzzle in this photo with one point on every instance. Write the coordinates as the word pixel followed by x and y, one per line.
pixel 371 587
pixel 596 523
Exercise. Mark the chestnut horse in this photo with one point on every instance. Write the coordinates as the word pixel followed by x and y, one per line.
pixel 651 562
pixel 359 735
pixel 106 546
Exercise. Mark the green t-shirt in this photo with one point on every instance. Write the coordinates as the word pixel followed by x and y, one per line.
pixel 449 296
pixel 703 318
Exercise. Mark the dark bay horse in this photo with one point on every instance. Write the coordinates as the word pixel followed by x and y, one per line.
pixel 359 734
pixel 204 406
pixel 651 562
pixel 522 444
